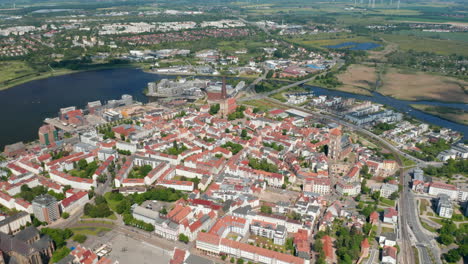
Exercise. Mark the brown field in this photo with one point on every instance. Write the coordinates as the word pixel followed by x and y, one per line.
pixel 358 79
pixel 421 86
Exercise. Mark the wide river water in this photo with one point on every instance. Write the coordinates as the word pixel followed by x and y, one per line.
pixel 24 107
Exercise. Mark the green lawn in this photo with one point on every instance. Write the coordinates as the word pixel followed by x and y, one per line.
pixel 428 227
pixel 89 230
pixel 387 230
pixel 279 97
pixel 111 217
pixel 387 202
pixel 112 204
pixel 262 105
pixel 437 220
pixel 423 204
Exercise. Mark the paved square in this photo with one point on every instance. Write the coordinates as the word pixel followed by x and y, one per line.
pixel 128 250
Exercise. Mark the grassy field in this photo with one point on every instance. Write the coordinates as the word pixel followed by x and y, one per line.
pixel 262 105
pixel 452 114
pixel 111 217
pixel 387 230
pixel 18 72
pixel 457 36
pixel 387 202
pixel 112 204
pixel 89 230
pixel 423 205
pixel 439 46
pixel 358 79
pixel 422 86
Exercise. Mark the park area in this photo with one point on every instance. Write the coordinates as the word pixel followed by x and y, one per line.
pixel 423 86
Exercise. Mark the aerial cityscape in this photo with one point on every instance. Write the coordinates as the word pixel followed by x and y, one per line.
pixel 219 131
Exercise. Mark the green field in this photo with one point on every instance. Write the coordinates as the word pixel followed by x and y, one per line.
pixel 16 72
pixel 456 36
pixel 439 46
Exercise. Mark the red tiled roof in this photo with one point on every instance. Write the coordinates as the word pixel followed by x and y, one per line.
pixel 178 257
pixel 75 197
pixel 327 247
pixel 262 251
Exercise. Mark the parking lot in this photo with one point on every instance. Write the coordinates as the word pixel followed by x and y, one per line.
pixel 128 250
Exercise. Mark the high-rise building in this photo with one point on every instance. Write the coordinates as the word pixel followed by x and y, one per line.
pixel 45 208
pixel 48 134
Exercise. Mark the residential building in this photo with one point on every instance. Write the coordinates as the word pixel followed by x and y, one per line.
pixel 45 208
pixel 269 230
pixel 48 135
pixel 436 188
pixel 444 206
pixel 387 189
pixel 13 224
pixel 389 255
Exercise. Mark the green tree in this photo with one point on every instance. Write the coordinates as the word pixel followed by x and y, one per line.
pixel 80 238
pixel 445 239
pixel 452 256
pixel 183 238
pixel 65 215
pixel 59 254
pixel 243 133
pixel 270 74
pixel 266 209
pixel 394 196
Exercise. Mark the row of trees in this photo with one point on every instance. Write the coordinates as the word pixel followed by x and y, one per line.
pixel 452 167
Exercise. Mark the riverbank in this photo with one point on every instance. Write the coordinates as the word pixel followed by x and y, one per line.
pixel 448 113
pixel 346 89
pixel 33 76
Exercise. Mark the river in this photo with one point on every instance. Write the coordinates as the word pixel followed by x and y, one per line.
pixel 24 107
